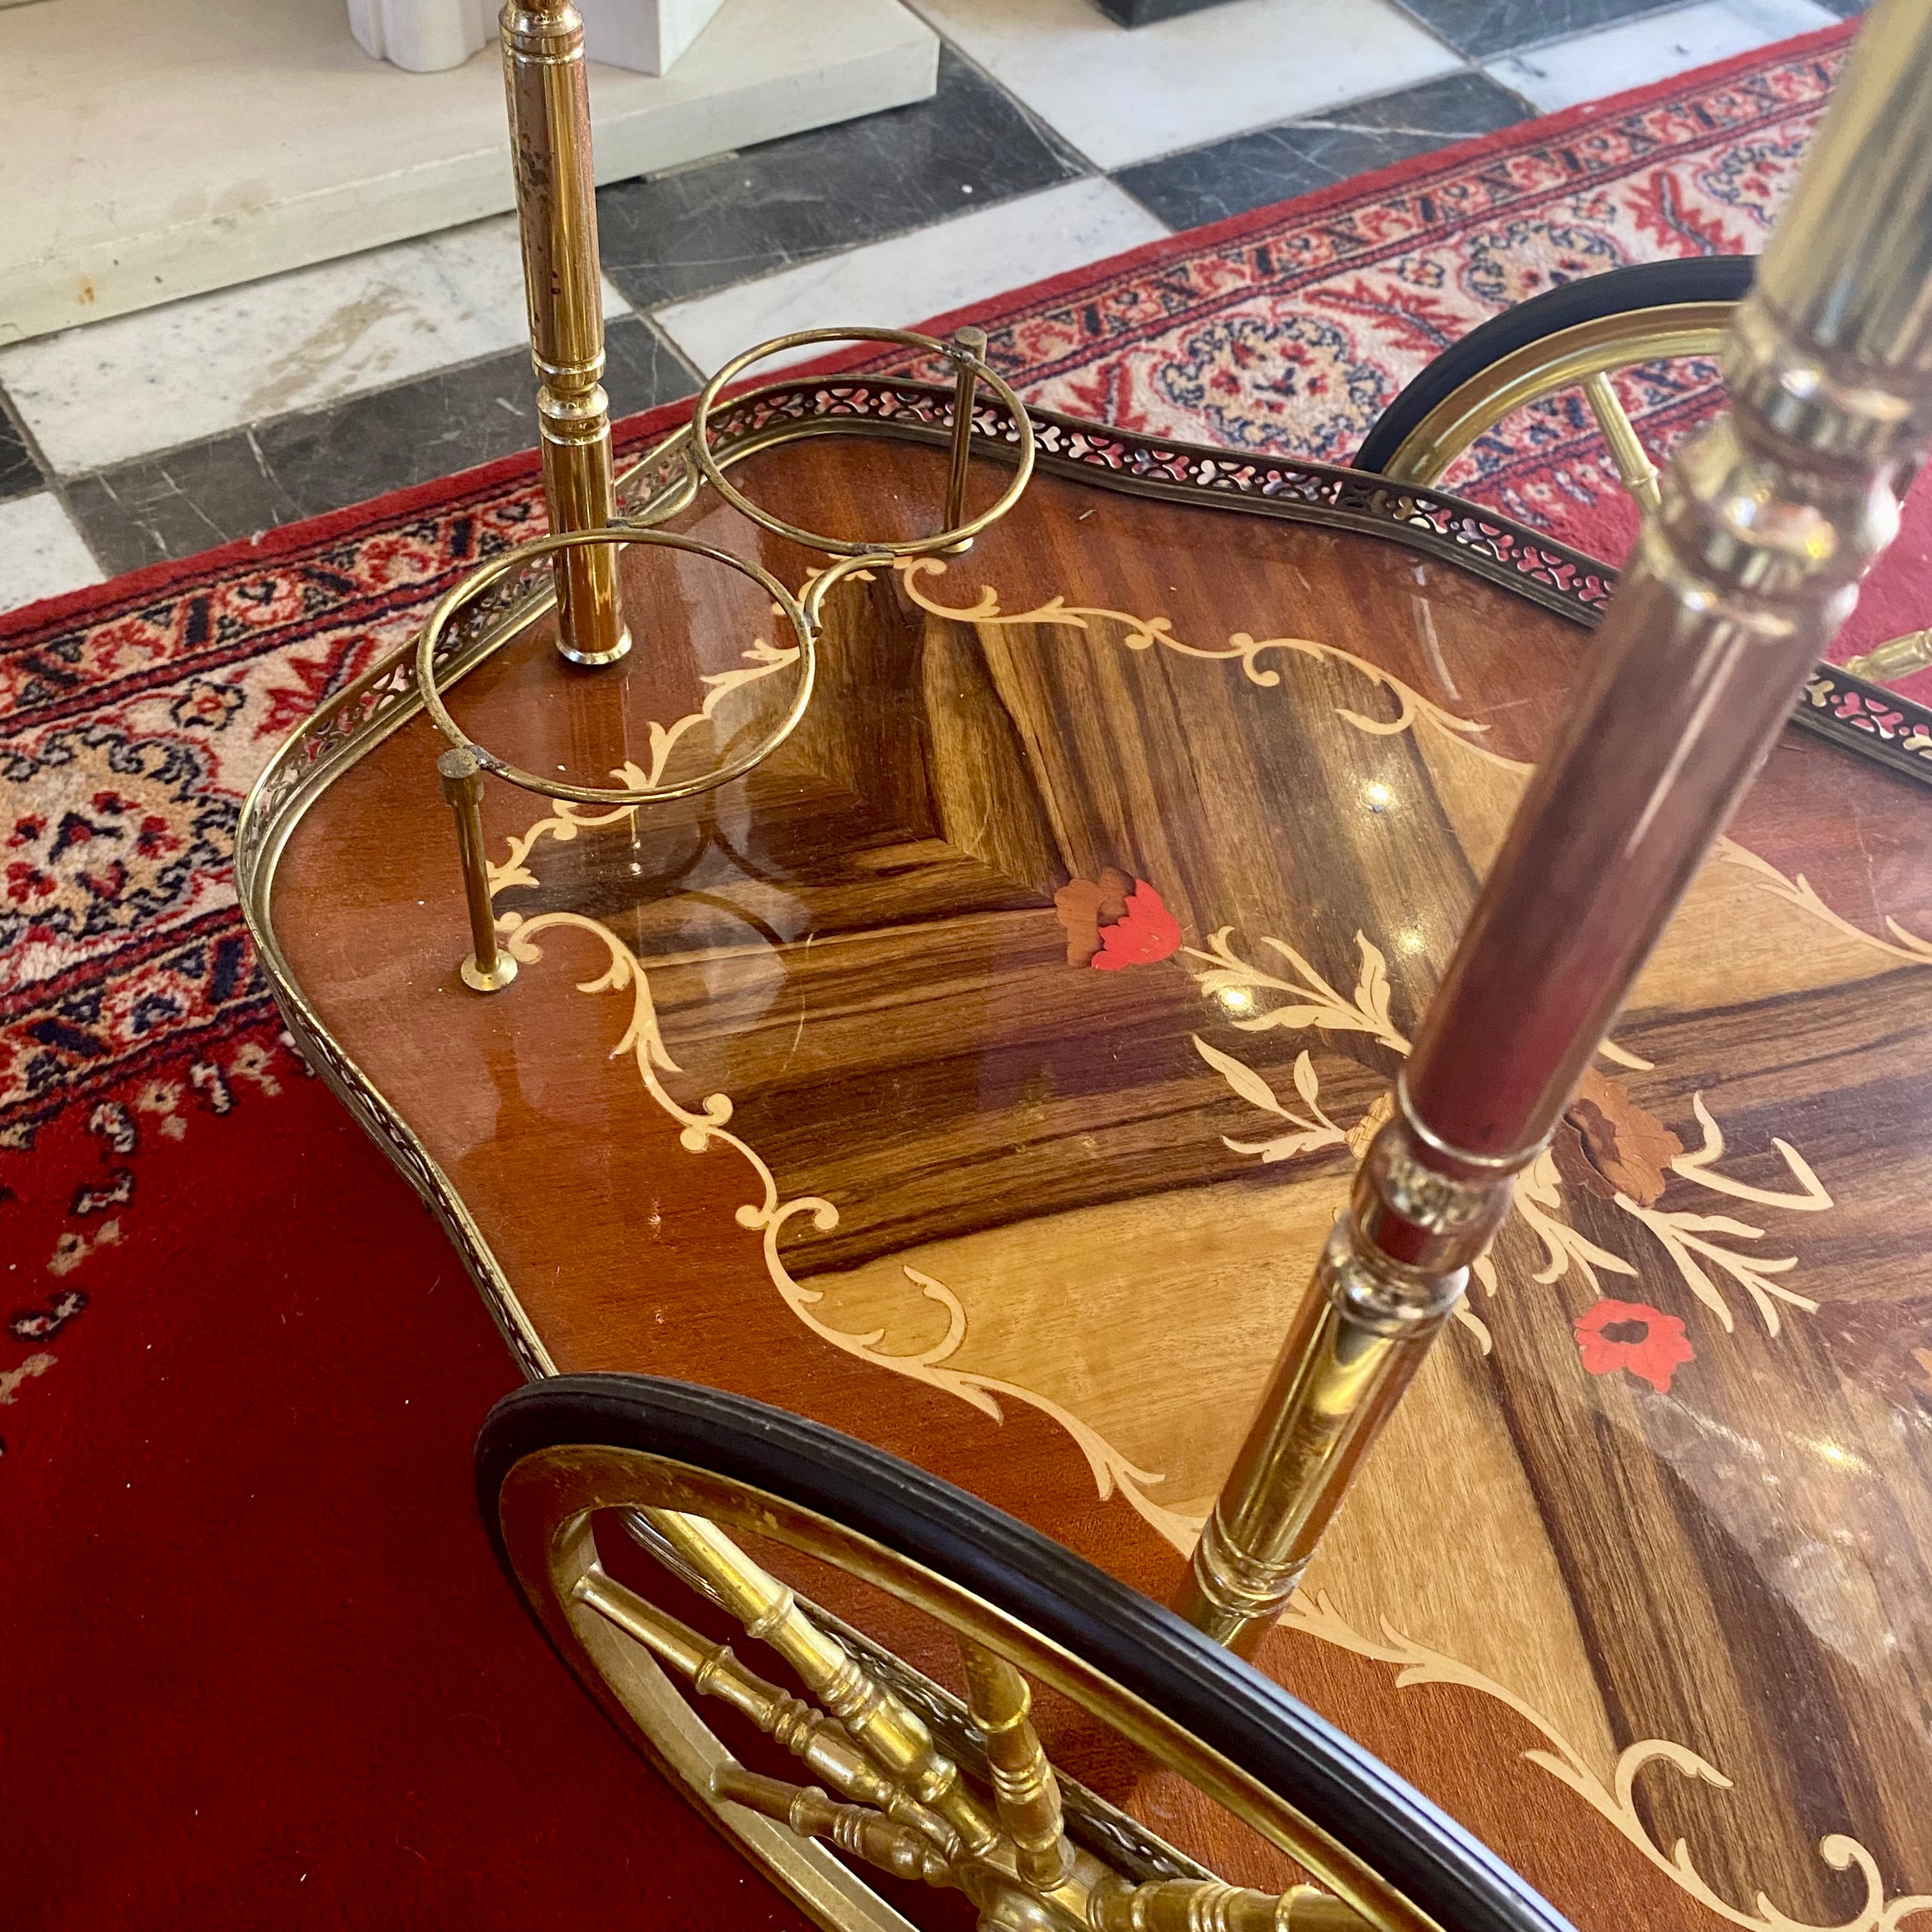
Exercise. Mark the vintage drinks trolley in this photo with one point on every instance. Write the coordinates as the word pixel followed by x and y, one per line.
pixel 990 906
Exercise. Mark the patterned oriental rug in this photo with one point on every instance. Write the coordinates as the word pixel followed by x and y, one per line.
pixel 256 1664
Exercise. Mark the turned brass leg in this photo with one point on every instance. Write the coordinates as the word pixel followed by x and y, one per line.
pixel 1025 1792
pixel 556 212
pixel 1747 565
pixel 488 969
pixel 1360 1335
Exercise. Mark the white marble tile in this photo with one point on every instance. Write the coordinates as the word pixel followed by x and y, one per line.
pixel 111 390
pixel 41 552
pixel 1653 48
pixel 893 284
pixel 1121 96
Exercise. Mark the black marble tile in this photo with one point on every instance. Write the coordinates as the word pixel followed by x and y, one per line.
pixel 205 493
pixel 1483 29
pixel 705 228
pixel 189 499
pixel 1144 13
pixel 1251 170
pixel 20 474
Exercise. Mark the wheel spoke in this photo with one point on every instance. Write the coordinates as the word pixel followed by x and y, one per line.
pixel 1635 470
pixel 899 1773
pixel 811 1814
pixel 1025 1791
pixel 715 1671
pixel 896 1736
pixel 1206 1905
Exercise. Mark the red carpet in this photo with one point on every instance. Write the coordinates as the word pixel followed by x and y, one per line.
pixel 256 1667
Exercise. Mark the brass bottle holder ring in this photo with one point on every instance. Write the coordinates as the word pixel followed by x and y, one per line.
pixel 802 617
pixel 966 354
pixel 461 768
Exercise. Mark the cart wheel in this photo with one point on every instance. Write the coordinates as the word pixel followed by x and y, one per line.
pixel 1575 334
pixel 936 1651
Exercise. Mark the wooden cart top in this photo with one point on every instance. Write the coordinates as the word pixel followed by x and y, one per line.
pixel 982 1074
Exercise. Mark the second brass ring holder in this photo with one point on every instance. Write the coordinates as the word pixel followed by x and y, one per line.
pixel 967 353
pixel 461 768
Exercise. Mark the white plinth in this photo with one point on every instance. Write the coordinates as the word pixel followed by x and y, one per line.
pixel 652 36
pixel 156 149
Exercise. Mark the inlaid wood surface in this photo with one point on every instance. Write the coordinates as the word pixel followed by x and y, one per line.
pixel 981 1075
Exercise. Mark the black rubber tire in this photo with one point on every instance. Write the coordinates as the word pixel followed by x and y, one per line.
pixel 1143 1647
pixel 1695 278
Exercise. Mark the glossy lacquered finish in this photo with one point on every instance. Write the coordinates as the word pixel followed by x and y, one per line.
pixel 982 1074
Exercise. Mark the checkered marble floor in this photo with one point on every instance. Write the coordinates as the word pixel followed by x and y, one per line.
pixel 1055 138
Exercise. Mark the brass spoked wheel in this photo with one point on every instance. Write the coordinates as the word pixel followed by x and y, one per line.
pixel 911 1710
pixel 1573 337
pixel 1577 337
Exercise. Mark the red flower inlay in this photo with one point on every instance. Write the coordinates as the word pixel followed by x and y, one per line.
pixel 1145 932
pixel 1115 921
pixel 1631 1335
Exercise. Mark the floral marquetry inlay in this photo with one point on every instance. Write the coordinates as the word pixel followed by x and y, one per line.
pixel 1606 1145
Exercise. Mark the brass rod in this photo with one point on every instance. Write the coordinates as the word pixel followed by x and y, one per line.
pixel 1207 1905
pixel 811 1814
pixel 1635 470
pixel 488 969
pixel 714 1671
pixel 1896 657
pixel 889 1731
pixel 1769 517
pixel 1358 1338
pixel 1025 1791
pixel 969 346
pixel 557 218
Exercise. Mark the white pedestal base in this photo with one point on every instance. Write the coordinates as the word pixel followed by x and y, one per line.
pixel 426 36
pixel 157 148
pixel 421 36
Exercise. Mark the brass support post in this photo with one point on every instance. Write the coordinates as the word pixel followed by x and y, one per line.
pixel 1769 518
pixel 970 347
pixel 556 215
pixel 488 969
